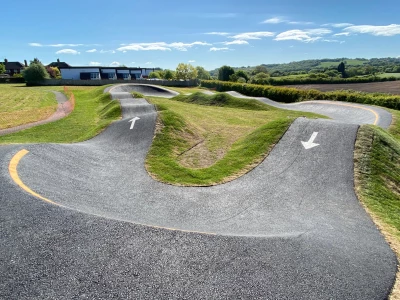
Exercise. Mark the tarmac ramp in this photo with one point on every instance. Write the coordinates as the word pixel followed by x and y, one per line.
pixel 145 89
pixel 290 229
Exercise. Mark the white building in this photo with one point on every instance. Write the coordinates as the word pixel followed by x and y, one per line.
pixel 97 73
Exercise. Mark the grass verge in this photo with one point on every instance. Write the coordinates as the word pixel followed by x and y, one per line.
pixel 93 111
pixel 205 140
pixel 21 105
pixel 377 180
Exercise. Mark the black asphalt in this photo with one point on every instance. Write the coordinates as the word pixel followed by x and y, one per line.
pixel 290 229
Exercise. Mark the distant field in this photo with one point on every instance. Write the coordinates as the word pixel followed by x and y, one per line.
pixel 292 76
pixel 349 62
pixel 397 75
pixel 390 87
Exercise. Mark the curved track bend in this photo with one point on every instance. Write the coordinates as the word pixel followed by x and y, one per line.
pixel 290 229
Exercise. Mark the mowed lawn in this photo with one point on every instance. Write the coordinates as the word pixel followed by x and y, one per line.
pixel 20 104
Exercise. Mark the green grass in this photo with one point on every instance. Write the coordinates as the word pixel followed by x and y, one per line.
pixel 184 90
pixel 20 104
pixel 377 177
pixel 187 150
pixel 397 75
pixel 349 62
pixel 93 112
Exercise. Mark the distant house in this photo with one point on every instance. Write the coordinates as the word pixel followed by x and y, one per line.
pixel 97 73
pixel 59 64
pixel 14 67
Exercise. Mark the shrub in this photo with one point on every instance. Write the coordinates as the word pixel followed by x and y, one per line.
pixel 289 95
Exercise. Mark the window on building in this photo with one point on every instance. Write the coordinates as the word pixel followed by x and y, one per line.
pixel 111 75
pixel 94 76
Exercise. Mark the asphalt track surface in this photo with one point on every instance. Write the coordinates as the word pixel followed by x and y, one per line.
pixel 290 229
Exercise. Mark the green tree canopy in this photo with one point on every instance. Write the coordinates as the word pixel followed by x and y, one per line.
pixel 154 75
pixel 185 71
pixel 242 74
pixel 260 69
pixel 2 68
pixel 35 72
pixel 225 72
pixel 260 78
pixel 169 75
pixel 342 69
pixel 202 73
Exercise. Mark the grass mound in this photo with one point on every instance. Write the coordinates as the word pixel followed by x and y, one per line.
pixel 93 111
pixel 223 100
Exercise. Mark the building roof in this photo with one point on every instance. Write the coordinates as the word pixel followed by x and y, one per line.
pixel 59 64
pixel 12 65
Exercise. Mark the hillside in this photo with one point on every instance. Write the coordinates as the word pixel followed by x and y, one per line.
pixel 389 65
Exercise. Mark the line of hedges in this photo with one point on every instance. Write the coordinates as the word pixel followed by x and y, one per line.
pixel 288 81
pixel 12 80
pixel 290 95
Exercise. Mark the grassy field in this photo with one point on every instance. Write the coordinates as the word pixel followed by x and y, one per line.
pixel 397 75
pixel 20 104
pixel 205 140
pixel 93 112
pixel 377 177
pixel 349 62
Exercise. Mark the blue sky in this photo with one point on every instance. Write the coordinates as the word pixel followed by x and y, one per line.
pixel 159 33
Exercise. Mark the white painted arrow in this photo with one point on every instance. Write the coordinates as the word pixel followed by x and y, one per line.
pixel 133 121
pixel 310 144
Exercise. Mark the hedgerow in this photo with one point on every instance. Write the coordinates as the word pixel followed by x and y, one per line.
pixel 290 95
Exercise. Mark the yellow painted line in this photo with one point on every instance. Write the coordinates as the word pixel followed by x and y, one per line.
pixel 12 169
pixel 345 104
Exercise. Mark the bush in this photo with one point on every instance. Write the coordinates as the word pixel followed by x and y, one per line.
pixel 36 72
pixel 289 95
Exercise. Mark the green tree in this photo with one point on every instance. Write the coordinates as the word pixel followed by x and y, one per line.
pixel 233 78
pixel 169 75
pixel 225 72
pixel 260 69
pixel 185 71
pixel 154 75
pixel 35 72
pixel 2 68
pixel 202 74
pixel 242 74
pixel 260 78
pixel 342 69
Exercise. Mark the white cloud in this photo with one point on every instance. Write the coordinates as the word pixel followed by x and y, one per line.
pixel 273 21
pixel 342 34
pixel 253 35
pixel 219 49
pixel 95 63
pixel 217 33
pixel 107 51
pixel 65 45
pixel 149 63
pixel 35 45
pixel 338 25
pixel 388 30
pixel 191 61
pixel 67 51
pixel 307 36
pixel 330 41
pixel 115 64
pixel 161 46
pixel 92 51
pixel 278 20
pixel 236 42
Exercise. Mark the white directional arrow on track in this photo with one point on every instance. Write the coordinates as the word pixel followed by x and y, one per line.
pixel 310 144
pixel 133 121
